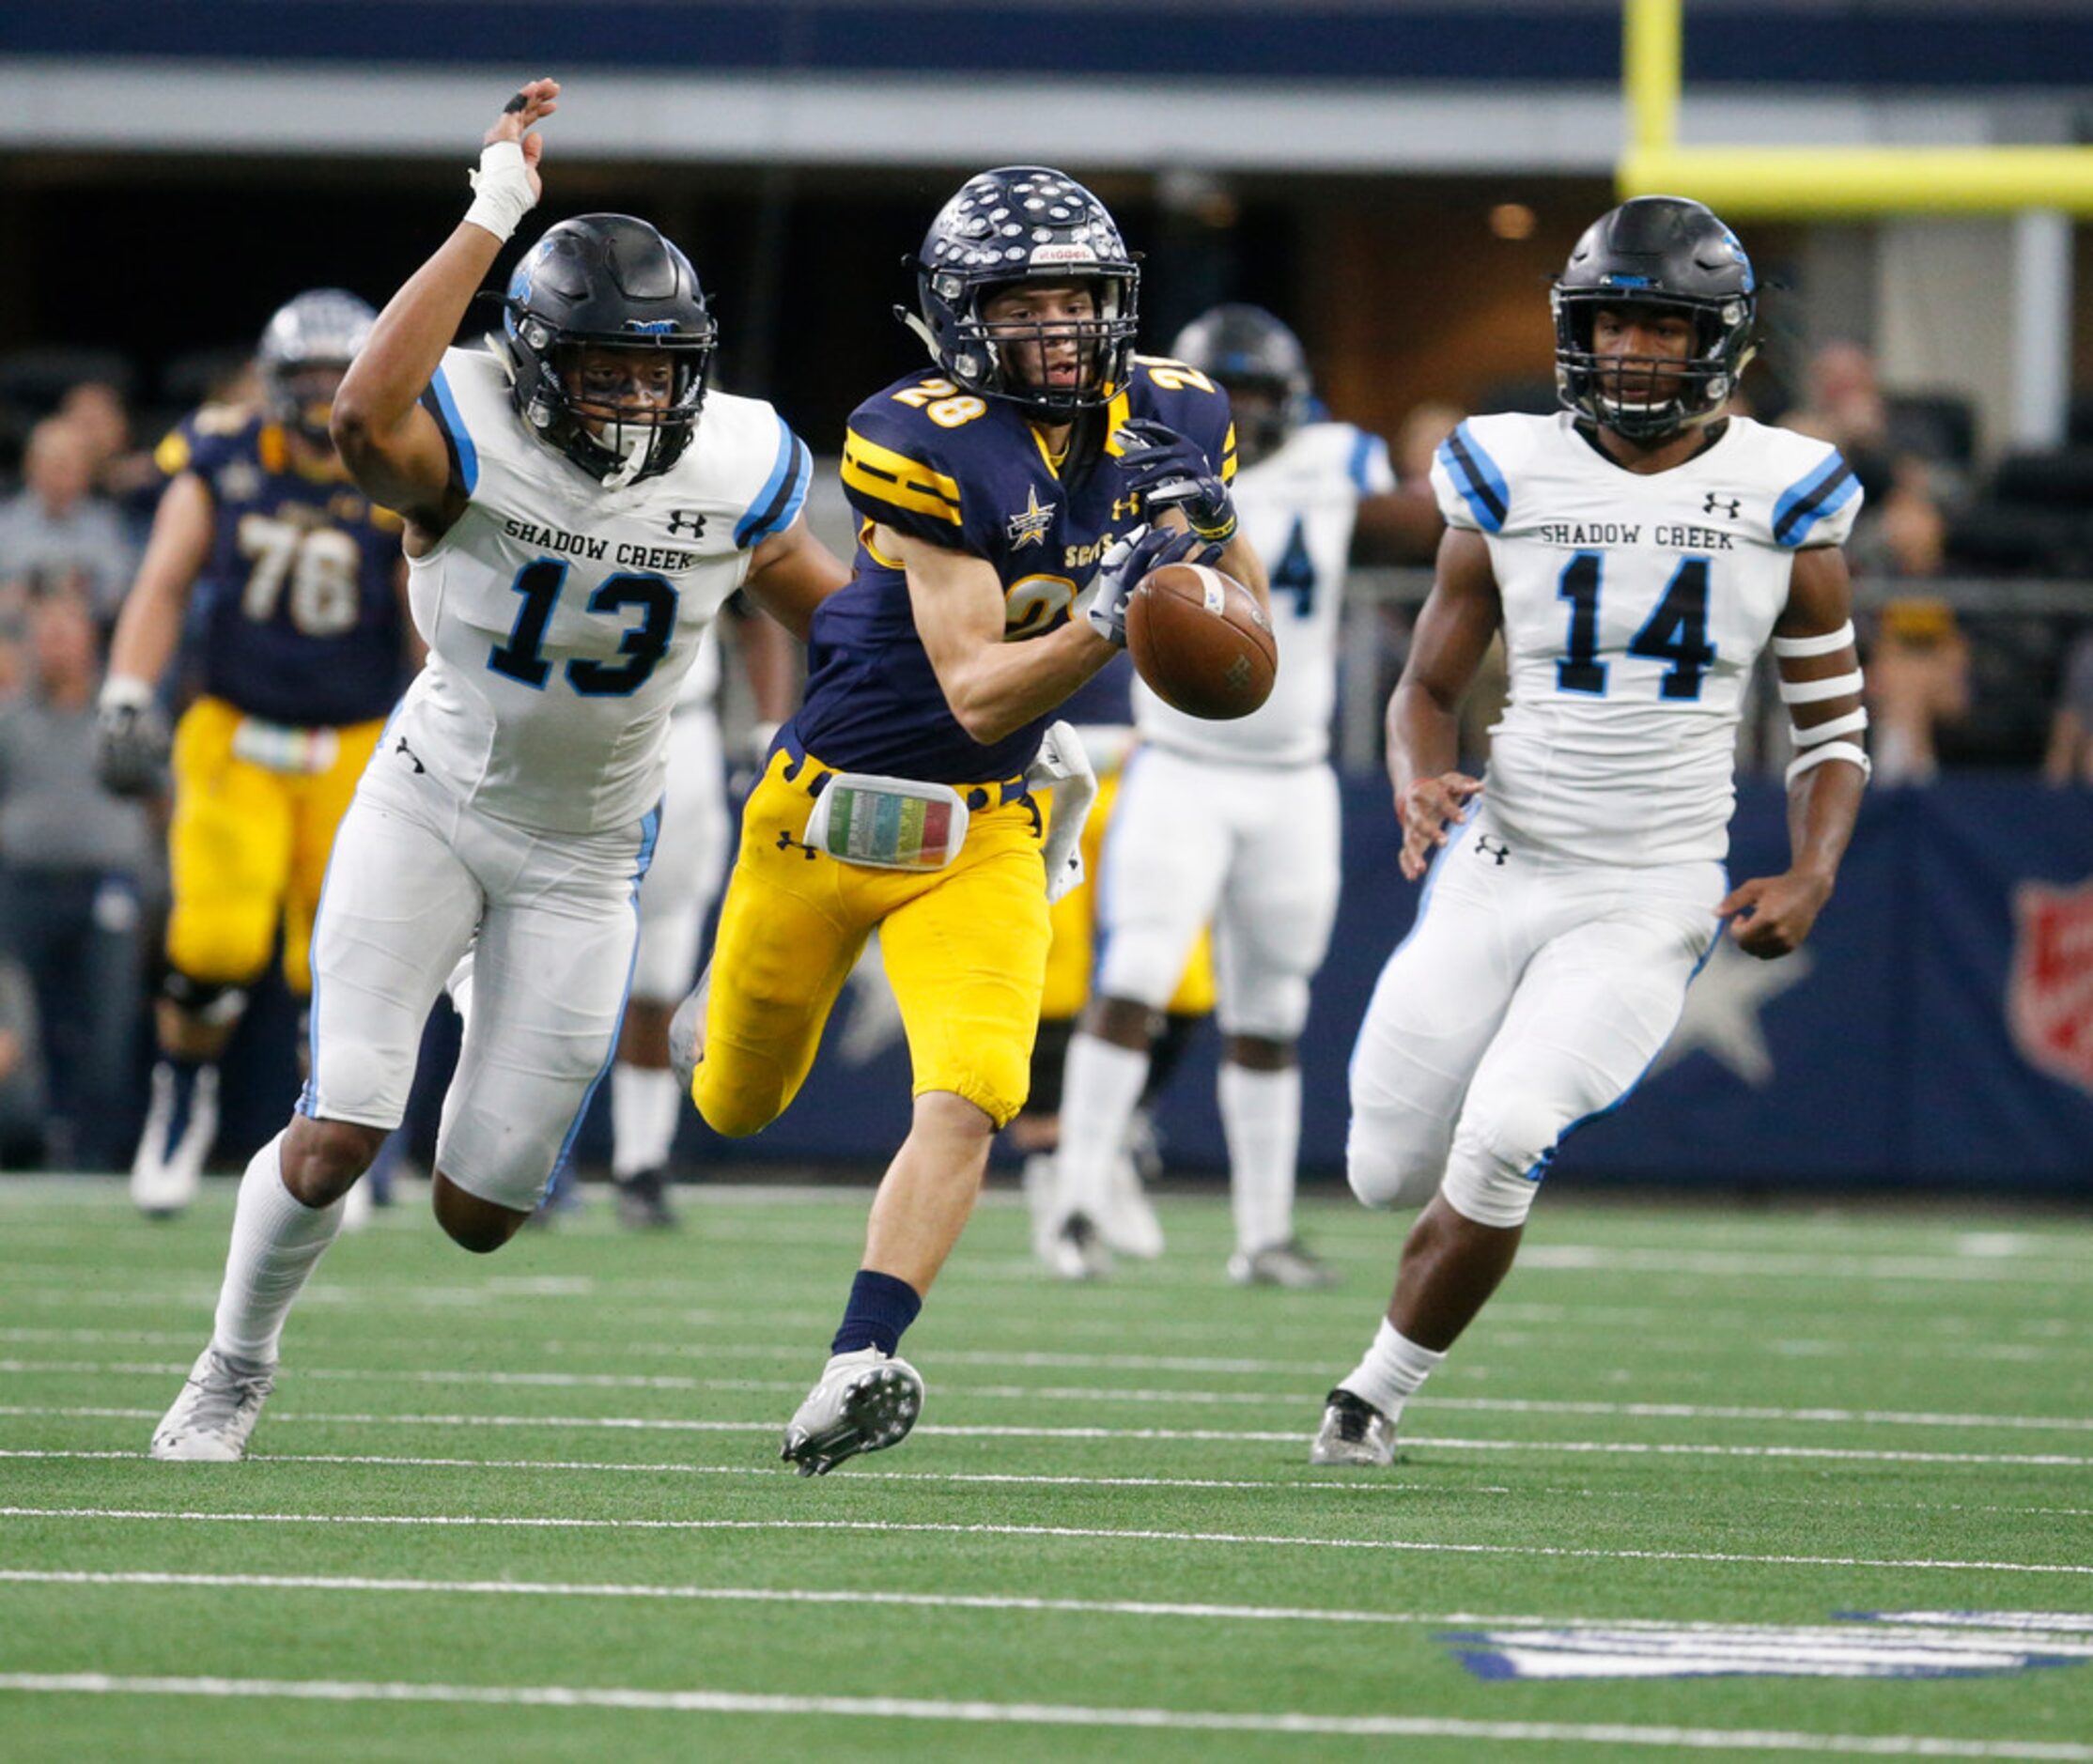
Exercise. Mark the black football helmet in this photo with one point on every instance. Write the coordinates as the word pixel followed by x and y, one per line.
pixel 1025 224
pixel 1258 359
pixel 1669 252
pixel 607 281
pixel 320 329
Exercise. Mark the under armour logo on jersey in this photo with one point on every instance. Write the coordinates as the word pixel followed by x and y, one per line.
pixel 1495 849
pixel 786 842
pixel 1126 507
pixel 1729 506
pixel 681 518
pixel 403 748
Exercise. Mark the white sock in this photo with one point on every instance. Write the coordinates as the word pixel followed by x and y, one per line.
pixel 643 1118
pixel 277 1240
pixel 1261 1115
pixel 1101 1087
pixel 1393 1368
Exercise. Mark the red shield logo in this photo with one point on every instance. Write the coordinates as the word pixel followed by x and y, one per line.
pixel 2049 1001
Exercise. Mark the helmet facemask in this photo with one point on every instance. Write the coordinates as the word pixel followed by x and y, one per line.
pixel 614 436
pixel 1620 392
pixel 990 357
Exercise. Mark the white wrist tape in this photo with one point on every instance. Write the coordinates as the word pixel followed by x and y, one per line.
pixel 125 692
pixel 1815 691
pixel 500 189
pixel 1830 643
pixel 1852 722
pixel 1851 751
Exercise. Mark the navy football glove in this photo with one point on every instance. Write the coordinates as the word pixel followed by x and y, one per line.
pixel 130 746
pixel 1171 471
pixel 1120 570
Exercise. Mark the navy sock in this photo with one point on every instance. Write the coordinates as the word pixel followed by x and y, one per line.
pixel 184 1071
pixel 881 1309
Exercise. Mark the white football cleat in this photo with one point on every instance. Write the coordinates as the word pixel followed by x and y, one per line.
pixel 1290 1264
pixel 1129 1224
pixel 356 1206
pixel 1353 1431
pixel 216 1411
pixel 163 1179
pixel 1078 1250
pixel 865 1401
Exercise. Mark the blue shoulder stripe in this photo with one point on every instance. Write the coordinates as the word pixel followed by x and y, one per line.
pixel 1803 504
pixel 453 427
pixel 1476 476
pixel 1362 456
pixel 784 493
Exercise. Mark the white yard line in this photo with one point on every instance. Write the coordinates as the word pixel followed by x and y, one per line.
pixel 1374 1485
pixel 1222 1366
pixel 1116 1534
pixel 1295 1436
pixel 1095 1394
pixel 757 1595
pixel 1052 1714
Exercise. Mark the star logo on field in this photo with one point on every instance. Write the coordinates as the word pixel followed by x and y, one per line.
pixel 1721 1018
pixel 1030 524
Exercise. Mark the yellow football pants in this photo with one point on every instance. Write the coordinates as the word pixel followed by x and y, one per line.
pixel 964 950
pixel 247 846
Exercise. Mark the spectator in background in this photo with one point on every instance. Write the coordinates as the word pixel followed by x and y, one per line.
pixel 1901 531
pixel 125 475
pixel 70 858
pixel 2070 760
pixel 1918 677
pixel 59 526
pixel 22 1096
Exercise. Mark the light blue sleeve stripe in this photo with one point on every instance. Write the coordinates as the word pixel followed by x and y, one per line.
pixel 1362 456
pixel 461 438
pixel 1482 487
pixel 783 492
pixel 1807 485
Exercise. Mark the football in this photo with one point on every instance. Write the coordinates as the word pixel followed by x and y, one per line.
pixel 1200 641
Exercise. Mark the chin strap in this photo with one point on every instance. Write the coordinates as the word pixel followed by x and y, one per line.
pixel 914 322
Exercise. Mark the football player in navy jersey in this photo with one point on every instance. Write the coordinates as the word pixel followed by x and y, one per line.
pixel 1010 497
pixel 304 644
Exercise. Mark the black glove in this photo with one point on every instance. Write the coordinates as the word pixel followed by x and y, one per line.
pixel 1171 471
pixel 131 745
pixel 1120 570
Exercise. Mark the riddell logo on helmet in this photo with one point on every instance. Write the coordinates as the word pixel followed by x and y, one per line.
pixel 1063 254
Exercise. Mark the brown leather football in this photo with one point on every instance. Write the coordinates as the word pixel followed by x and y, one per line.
pixel 1200 641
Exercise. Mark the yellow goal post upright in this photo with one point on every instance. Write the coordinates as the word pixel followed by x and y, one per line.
pixel 1804 183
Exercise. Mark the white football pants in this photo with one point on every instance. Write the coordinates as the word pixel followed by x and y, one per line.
pixel 1532 994
pixel 1251 849
pixel 416 876
pixel 689 859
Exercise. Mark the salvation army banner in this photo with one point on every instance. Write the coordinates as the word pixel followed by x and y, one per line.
pixel 1935 1032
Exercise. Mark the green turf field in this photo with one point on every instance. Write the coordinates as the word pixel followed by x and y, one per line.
pixel 528 1506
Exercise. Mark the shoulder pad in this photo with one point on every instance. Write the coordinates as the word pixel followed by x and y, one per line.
pixel 904 458
pixel 1818 495
pixel 1468 472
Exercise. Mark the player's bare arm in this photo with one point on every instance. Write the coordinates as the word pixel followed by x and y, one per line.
pixel 150 625
pixel 993 688
pixel 791 573
pixel 1770 915
pixel 1453 632
pixel 391 445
